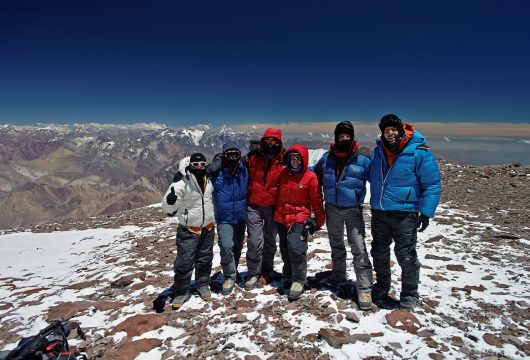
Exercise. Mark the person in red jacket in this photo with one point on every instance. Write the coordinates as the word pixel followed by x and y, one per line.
pixel 299 195
pixel 265 165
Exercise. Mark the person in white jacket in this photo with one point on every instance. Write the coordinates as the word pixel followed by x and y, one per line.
pixel 190 200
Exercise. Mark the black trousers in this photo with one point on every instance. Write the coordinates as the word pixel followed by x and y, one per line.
pixel 194 251
pixel 400 227
pixel 293 247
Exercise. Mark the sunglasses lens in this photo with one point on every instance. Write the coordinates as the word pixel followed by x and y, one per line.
pixel 201 163
pixel 271 141
pixel 232 155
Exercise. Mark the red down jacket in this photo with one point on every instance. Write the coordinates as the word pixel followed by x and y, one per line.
pixel 299 194
pixel 264 174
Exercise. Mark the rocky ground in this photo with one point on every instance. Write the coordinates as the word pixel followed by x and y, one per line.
pixel 474 290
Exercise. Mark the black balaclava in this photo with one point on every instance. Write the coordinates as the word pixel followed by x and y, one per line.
pixel 344 127
pixel 232 157
pixel 269 149
pixel 198 171
pixel 394 121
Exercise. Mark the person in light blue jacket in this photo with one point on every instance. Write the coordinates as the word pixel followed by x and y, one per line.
pixel 405 187
pixel 343 171
pixel 230 180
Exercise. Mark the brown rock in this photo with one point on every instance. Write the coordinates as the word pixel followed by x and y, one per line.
pixel 360 337
pixel 192 340
pixel 335 338
pixel 252 357
pixel 407 321
pixel 244 304
pixel 83 285
pixel 250 295
pixel 67 310
pixel 436 356
pixel 437 277
pixel 480 288
pixel 492 340
pixel 138 324
pixel 455 267
pixel 436 257
pixel 109 305
pixel 127 280
pixel 270 291
pixel 131 349
pixel 34 291
pixel 5 306
pixel 351 317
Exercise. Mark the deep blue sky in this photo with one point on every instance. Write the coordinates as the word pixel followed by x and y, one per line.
pixel 186 62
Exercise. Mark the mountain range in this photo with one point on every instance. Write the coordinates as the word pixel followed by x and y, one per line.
pixel 55 172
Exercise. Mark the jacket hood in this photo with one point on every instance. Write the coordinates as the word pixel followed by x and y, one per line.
pixel 183 165
pixel 271 132
pixel 300 149
pixel 230 145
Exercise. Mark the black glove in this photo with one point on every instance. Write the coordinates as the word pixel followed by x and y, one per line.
pixel 423 222
pixel 310 225
pixel 171 198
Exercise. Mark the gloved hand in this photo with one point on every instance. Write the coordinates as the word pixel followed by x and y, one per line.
pixel 423 222
pixel 171 198
pixel 310 225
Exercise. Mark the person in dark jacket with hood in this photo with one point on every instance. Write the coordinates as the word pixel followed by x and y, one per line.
pixel 298 211
pixel 265 166
pixel 343 171
pixel 230 181
pixel 405 186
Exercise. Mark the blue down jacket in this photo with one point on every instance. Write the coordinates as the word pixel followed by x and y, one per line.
pixel 350 188
pixel 411 184
pixel 230 194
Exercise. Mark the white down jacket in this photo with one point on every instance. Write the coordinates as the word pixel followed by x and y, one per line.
pixel 193 208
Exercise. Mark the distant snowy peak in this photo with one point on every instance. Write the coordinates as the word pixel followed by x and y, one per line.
pixel 195 135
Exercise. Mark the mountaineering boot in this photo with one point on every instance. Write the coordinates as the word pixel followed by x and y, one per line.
pixel 334 279
pixel 408 303
pixel 204 293
pixel 228 286
pixel 179 300
pixel 364 300
pixel 250 282
pixel 297 288
pixel 271 276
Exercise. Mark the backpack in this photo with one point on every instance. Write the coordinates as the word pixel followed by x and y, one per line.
pixel 49 343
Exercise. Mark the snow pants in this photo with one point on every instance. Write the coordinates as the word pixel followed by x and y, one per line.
pixel 194 251
pixel 231 238
pixel 352 218
pixel 261 241
pixel 400 227
pixel 293 247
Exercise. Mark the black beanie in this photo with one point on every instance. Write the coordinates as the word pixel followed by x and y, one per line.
pixel 344 127
pixel 391 120
pixel 197 157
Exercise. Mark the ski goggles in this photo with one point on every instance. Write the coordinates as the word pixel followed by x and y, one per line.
pixel 198 164
pixel 233 154
pixel 271 141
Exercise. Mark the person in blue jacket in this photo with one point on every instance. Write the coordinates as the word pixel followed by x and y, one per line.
pixel 230 181
pixel 405 187
pixel 343 171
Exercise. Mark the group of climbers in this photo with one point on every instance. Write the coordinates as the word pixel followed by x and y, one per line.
pixel 272 191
